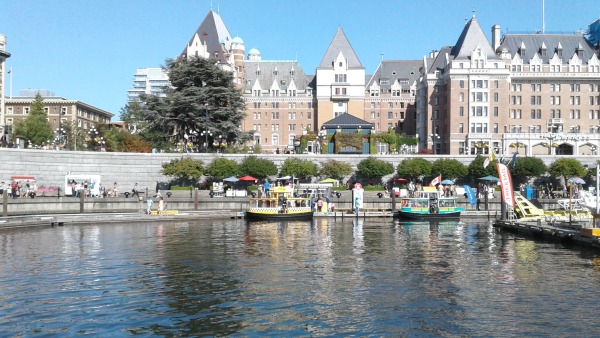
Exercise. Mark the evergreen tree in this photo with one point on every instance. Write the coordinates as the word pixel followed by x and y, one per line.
pixel 202 97
pixel 35 128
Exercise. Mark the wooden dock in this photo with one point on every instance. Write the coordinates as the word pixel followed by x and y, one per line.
pixel 580 233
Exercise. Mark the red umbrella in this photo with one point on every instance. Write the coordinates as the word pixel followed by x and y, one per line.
pixel 247 178
pixel 400 180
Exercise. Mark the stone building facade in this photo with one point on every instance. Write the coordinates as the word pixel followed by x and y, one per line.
pixel 529 93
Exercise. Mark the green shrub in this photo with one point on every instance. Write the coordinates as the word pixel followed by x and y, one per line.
pixel 176 187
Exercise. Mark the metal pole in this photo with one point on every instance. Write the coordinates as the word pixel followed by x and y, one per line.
pixel 597 188
pixel 206 127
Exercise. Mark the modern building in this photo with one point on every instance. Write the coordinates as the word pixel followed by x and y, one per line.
pixel 3 56
pixel 530 93
pixel 150 81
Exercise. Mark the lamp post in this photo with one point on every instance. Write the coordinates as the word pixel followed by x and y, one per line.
pixel 434 137
pixel 93 133
pixel 321 138
pixel 551 137
pixel 59 137
pixel 102 144
pixel 296 145
pixel 206 132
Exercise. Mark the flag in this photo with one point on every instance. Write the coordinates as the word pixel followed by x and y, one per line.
pixel 470 195
pixel 436 181
pixel 489 159
pixel 508 196
pixel 513 161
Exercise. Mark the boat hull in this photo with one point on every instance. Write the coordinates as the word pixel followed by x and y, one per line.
pixel 427 216
pixel 261 216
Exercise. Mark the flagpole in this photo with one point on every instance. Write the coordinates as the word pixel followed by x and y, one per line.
pixel 10 73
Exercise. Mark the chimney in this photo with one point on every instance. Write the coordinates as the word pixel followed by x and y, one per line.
pixel 495 37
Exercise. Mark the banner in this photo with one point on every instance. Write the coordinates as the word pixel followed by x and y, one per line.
pixel 436 181
pixel 508 195
pixel 470 195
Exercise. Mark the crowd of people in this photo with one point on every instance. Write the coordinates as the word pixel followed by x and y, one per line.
pixel 19 189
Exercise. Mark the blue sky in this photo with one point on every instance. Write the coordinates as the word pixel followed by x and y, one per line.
pixel 88 50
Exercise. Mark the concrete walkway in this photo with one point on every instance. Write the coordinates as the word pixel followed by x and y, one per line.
pixel 95 218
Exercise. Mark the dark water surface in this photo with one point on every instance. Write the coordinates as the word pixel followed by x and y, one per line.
pixel 361 278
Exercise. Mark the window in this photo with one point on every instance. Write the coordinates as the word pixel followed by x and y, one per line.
pixel 461 128
pixel 495 127
pixel 308 115
pixel 461 97
pixel 390 115
pixel 340 78
pixel 536 100
pixel 496 111
pixel 462 84
pixel 461 111
pixel 575 87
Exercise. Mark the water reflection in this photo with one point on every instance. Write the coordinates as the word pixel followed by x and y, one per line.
pixel 357 277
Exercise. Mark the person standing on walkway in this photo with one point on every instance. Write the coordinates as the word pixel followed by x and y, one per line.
pixel 161 205
pixel 115 193
pixel 149 205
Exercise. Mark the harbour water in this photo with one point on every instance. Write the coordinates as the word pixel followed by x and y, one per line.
pixel 325 277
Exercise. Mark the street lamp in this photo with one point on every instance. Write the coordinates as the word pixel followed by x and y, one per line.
pixel 433 137
pixel 102 144
pixel 551 137
pixel 206 132
pixel 60 132
pixel 321 140
pixel 93 134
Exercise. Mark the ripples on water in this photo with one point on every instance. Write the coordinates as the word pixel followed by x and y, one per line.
pixel 350 277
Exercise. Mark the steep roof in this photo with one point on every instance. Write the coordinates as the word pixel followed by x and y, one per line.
pixel 339 44
pixel 471 36
pixel 405 71
pixel 275 71
pixel 533 42
pixel 212 32
pixel 346 121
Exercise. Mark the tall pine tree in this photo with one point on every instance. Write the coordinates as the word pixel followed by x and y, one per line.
pixel 35 128
pixel 202 98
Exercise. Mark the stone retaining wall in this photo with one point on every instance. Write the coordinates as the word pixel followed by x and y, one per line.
pixel 50 166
